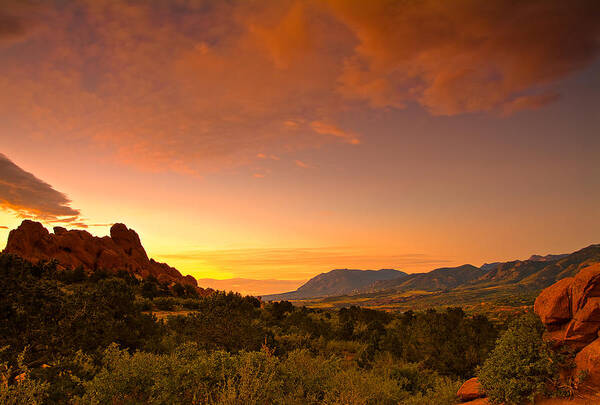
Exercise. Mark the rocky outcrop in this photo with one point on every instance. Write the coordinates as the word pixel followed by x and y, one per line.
pixel 122 250
pixel 570 310
pixel 553 305
pixel 588 362
pixel 470 390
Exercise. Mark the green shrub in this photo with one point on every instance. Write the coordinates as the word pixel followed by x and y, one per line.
pixel 21 389
pixel 165 303
pixel 28 391
pixel 520 365
pixel 443 392
pixel 143 304
pixel 190 303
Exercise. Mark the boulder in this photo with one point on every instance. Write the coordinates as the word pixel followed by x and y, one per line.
pixel 585 324
pixel 59 230
pixel 585 285
pixel 588 361
pixel 590 311
pixel 553 305
pixel 129 241
pixel 470 390
pixel 30 238
pixel 570 309
pixel 579 334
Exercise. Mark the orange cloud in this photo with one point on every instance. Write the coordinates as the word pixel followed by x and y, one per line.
pixel 532 102
pixel 321 127
pixel 464 56
pixel 192 87
pixel 289 38
pixel 301 164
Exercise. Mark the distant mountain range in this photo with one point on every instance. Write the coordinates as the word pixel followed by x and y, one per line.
pixel 526 276
pixel 337 282
pixel 536 272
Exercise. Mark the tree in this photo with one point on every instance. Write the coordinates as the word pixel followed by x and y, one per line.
pixel 520 365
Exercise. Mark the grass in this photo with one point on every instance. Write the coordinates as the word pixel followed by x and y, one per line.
pixel 496 302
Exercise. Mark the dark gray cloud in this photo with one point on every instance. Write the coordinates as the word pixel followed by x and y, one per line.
pixel 29 197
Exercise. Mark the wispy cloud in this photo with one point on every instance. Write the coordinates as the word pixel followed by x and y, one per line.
pixel 3 227
pixel 301 164
pixel 298 263
pixel 29 197
pixel 324 128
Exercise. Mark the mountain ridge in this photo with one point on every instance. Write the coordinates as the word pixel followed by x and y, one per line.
pixel 519 279
pixel 337 282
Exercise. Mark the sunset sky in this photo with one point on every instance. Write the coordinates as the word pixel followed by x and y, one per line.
pixel 281 139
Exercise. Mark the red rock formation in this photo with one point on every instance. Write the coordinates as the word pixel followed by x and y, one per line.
pixel 470 390
pixel 553 305
pixel 588 361
pixel 122 250
pixel 570 310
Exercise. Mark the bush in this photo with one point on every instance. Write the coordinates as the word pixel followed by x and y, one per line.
pixel 442 393
pixel 165 303
pixel 193 376
pixel 21 389
pixel 143 304
pixel 520 365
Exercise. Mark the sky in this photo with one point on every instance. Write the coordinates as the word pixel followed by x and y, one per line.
pixel 275 140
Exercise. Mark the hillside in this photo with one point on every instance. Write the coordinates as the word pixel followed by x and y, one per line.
pixel 535 273
pixel 438 279
pixel 513 283
pixel 337 282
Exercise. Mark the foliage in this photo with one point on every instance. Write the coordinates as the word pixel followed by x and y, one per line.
pixel 193 376
pixel 16 386
pixel 520 365
pixel 105 337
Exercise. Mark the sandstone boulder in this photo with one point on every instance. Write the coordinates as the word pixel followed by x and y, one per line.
pixel 588 361
pixel 553 305
pixel 585 285
pixel 470 390
pixel 585 324
pixel 570 309
pixel 129 241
